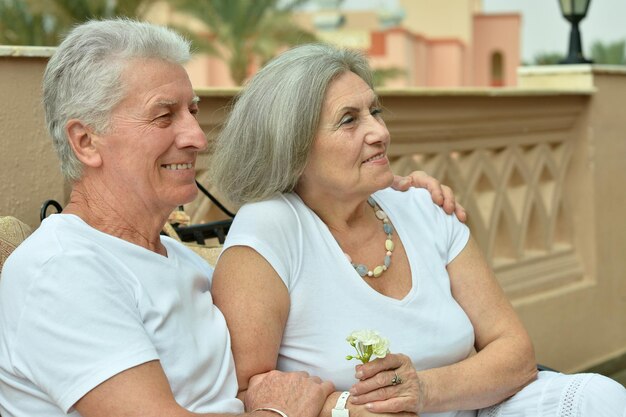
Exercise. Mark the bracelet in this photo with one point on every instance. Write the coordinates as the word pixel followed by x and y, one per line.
pixel 272 410
pixel 340 409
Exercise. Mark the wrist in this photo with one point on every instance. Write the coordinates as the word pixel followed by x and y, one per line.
pixel 267 411
pixel 340 409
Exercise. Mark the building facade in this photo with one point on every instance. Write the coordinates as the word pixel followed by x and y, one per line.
pixel 425 43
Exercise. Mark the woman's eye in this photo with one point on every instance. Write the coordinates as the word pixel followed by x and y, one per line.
pixel 376 111
pixel 346 120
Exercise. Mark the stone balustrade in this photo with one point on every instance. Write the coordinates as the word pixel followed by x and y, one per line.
pixel 539 168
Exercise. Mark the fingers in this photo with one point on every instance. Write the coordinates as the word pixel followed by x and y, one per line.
pixel 388 385
pixel 328 388
pixel 442 195
pixel 379 387
pixel 389 362
pixel 295 393
pixel 257 379
pixel 420 179
pixel 449 202
pixel 379 393
pixel 401 183
pixel 460 212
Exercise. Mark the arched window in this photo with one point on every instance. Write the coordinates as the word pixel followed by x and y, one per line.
pixel 497 69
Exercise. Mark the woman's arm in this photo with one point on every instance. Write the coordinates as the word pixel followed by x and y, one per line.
pixel 256 304
pixel 504 364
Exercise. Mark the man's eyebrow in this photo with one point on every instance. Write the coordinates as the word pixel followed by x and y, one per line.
pixel 165 103
pixel 172 103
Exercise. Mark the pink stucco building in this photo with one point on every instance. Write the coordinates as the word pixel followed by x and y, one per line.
pixel 435 43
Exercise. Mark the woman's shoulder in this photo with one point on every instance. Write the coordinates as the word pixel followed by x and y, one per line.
pixel 411 199
pixel 282 206
pixel 281 212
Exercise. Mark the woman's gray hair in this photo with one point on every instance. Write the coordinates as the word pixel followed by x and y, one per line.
pixel 264 145
pixel 83 78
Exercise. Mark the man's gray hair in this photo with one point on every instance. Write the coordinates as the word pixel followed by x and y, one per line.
pixel 83 78
pixel 264 145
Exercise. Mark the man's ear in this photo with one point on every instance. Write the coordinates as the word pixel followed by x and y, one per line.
pixel 83 143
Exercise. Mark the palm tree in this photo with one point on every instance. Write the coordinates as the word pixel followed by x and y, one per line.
pixel 245 31
pixel 71 12
pixel 19 26
pixel 44 22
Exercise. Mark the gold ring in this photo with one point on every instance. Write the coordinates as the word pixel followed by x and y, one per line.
pixel 396 380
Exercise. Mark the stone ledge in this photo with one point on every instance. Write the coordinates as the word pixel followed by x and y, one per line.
pixel 26 51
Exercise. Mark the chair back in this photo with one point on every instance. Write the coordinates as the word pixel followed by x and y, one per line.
pixel 12 233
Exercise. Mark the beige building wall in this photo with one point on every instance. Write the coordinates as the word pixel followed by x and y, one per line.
pixel 446 63
pixel 440 19
pixel 401 49
pixel 496 34
pixel 438 44
pixel 29 169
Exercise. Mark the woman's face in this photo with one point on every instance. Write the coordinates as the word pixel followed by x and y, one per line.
pixel 349 154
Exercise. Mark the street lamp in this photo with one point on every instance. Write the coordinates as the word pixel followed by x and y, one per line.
pixel 575 11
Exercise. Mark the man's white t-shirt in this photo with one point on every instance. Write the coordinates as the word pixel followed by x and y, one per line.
pixel 78 306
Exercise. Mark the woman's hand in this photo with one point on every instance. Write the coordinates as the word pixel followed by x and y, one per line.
pixel 442 194
pixel 388 385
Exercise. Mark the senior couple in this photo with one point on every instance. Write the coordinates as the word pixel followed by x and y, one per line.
pixel 100 315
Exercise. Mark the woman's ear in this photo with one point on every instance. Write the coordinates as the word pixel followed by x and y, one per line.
pixel 83 143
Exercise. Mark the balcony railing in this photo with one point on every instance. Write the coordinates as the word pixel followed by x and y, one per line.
pixel 540 170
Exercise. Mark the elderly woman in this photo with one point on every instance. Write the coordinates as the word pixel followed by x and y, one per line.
pixel 99 314
pixel 322 247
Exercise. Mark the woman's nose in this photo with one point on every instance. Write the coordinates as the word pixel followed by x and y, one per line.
pixel 376 130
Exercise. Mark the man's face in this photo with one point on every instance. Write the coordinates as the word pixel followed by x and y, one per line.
pixel 149 152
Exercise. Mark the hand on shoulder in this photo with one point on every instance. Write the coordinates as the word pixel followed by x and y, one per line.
pixel 442 195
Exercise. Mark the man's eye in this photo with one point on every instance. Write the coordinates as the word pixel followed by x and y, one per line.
pixel 194 112
pixel 376 111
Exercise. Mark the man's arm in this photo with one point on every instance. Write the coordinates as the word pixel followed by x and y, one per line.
pixel 144 391
pixel 441 194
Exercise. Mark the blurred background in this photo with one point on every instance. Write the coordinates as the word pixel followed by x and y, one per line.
pixel 474 94
pixel 421 43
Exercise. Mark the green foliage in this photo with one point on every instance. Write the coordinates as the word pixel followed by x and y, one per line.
pixel 610 53
pixel 241 32
pixel 548 58
pixel 244 31
pixel 44 22
pixel 19 26
pixel 382 75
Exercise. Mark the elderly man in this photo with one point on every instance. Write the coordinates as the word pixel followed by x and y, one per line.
pixel 99 314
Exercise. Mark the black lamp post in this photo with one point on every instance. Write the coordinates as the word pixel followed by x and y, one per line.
pixel 575 11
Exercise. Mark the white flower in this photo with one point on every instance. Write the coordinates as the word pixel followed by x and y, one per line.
pixel 367 343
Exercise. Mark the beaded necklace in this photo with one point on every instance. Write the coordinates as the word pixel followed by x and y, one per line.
pixel 361 269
